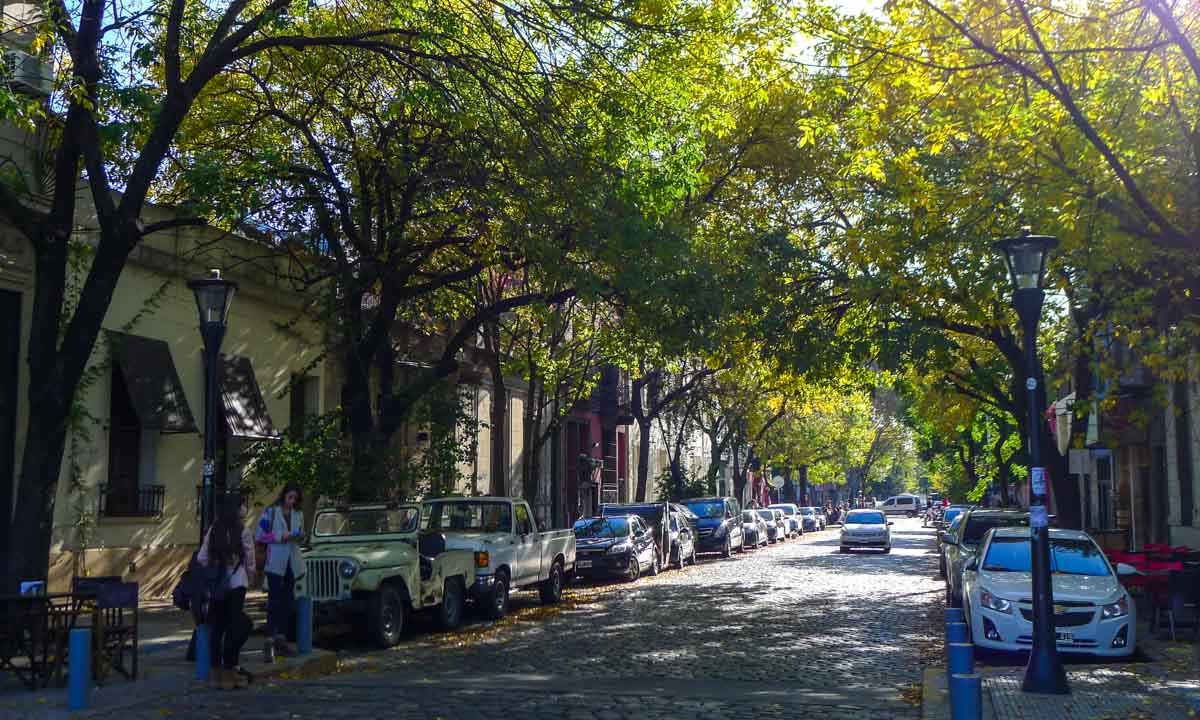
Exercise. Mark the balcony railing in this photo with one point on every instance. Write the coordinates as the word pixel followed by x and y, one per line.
pixel 145 501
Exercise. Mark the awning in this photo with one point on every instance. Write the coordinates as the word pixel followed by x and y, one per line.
pixel 246 414
pixel 153 384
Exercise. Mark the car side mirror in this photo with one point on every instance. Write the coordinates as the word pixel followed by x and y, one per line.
pixel 1126 569
pixel 970 565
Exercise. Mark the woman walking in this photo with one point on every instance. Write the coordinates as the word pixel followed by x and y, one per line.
pixel 281 529
pixel 228 549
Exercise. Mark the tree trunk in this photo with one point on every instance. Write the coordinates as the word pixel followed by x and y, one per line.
pixel 499 417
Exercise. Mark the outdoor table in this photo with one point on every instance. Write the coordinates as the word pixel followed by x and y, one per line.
pixel 37 629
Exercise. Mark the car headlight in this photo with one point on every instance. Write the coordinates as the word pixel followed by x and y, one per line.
pixel 347 569
pixel 991 602
pixel 621 548
pixel 1115 610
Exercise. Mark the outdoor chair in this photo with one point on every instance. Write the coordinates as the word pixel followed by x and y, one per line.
pixel 1181 594
pixel 117 631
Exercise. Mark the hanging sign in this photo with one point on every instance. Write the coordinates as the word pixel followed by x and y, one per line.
pixel 1037 479
pixel 1038 517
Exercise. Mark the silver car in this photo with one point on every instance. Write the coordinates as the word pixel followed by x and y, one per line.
pixel 866 529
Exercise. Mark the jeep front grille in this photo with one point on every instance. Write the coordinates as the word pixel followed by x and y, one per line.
pixel 323 581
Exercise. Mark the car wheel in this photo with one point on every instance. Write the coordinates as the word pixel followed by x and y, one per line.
pixel 678 555
pixel 635 568
pixel 655 565
pixel 742 545
pixel 451 610
pixel 498 599
pixel 693 558
pixel 727 551
pixel 387 616
pixel 551 589
pixel 844 549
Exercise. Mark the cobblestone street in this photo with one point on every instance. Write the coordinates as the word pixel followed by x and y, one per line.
pixel 783 630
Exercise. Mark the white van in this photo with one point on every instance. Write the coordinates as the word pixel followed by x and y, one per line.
pixel 907 505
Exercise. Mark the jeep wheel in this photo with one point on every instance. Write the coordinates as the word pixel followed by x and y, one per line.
pixel 451 611
pixel 387 617
pixel 910 514
pixel 551 589
pixel 497 599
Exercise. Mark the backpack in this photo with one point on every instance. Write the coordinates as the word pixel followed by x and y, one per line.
pixel 191 592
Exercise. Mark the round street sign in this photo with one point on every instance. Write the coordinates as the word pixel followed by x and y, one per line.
pixel 776 482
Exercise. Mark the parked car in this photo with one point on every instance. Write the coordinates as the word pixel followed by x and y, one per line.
pixel 621 545
pixel 1092 613
pixel 942 538
pixel 822 518
pixel 776 526
pixel 720 521
pixel 961 546
pixel 907 505
pixel 510 552
pixel 370 565
pixel 754 529
pixel 683 541
pixel 791 513
pixel 654 515
pixel 809 517
pixel 866 529
pixel 950 513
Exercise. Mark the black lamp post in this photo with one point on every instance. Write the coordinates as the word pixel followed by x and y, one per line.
pixel 1026 257
pixel 214 295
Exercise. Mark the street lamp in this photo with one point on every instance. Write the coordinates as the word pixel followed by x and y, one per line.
pixel 1026 258
pixel 214 295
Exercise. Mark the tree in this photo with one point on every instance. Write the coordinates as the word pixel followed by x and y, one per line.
pixel 119 132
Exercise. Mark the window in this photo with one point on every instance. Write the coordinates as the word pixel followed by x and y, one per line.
pixel 459 516
pixel 1107 519
pixel 130 490
pixel 524 524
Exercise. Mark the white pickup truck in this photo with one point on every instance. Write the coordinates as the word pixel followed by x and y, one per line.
pixel 510 552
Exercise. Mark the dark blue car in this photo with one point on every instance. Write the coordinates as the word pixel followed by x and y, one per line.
pixel 720 524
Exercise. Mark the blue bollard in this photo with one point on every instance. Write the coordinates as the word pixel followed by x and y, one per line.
pixel 966 697
pixel 304 625
pixel 203 653
pixel 79 670
pixel 960 659
pixel 956 633
pixel 955 615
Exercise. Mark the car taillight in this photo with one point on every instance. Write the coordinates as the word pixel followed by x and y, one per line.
pixel 481 559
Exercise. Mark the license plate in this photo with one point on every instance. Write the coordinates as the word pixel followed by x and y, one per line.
pixel 1064 636
pixel 583 563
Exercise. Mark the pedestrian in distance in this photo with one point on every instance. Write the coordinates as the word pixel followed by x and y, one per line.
pixel 228 555
pixel 280 533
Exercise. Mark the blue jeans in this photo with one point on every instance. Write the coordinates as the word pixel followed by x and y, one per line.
pixel 281 602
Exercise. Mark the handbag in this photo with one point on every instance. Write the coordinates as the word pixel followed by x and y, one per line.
pixel 260 549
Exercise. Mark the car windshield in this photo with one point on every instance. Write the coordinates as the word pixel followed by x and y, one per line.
pixel 767 515
pixel 373 521
pixel 977 526
pixel 951 514
pixel 1068 556
pixel 748 516
pixel 602 528
pixel 807 512
pixel 470 516
pixel 865 518
pixel 708 508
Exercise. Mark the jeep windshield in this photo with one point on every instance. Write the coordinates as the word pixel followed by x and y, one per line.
pixel 366 521
pixel 468 516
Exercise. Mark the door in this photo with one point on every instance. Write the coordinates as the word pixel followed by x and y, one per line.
pixel 10 351
pixel 643 542
pixel 528 550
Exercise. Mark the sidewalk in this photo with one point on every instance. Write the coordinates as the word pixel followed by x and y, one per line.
pixel 164 635
pixel 1165 688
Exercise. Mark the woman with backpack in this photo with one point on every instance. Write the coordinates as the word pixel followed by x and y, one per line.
pixel 228 554
pixel 281 531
